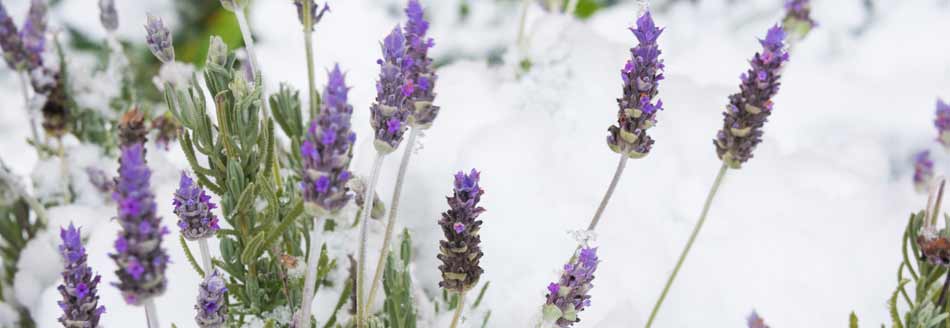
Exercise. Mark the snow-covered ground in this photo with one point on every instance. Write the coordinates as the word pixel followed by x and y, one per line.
pixel 805 233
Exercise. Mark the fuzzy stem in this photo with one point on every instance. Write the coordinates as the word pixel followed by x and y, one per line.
pixel 393 211
pixel 64 170
pixel 308 44
pixel 310 281
pixel 570 8
pixel 249 46
pixel 205 256
pixel 25 89
pixel 689 244
pixel 151 314
pixel 361 306
pixel 458 310
pixel 610 192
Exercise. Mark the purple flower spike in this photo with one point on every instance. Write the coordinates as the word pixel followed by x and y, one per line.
pixel 570 295
pixel 749 109
pixel 391 103
pixel 159 39
pixel 798 18
pixel 108 15
pixel 212 312
pixel 460 252
pixel 315 16
pixel 641 76
pixel 326 150
pixel 80 302
pixel 923 171
pixel 193 207
pixel 34 34
pixel 421 72
pixel 140 258
pixel 943 123
pixel 10 41
pixel 755 321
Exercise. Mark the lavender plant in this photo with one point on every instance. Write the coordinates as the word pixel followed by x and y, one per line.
pixel 798 21
pixel 139 255
pixel 942 122
pixel 197 223
pixel 80 302
pixel 388 119
pixel 460 251
pixel 744 118
pixel 923 171
pixel 307 12
pixel 212 309
pixel 754 321
pixel 420 86
pixel 570 294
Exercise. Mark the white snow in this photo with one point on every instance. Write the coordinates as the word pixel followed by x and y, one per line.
pixel 805 233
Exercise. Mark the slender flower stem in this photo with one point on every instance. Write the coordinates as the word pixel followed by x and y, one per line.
pixel 610 192
pixel 252 54
pixel 521 23
pixel 64 170
pixel 308 44
pixel 310 281
pixel 458 310
pixel 25 89
pixel 205 256
pixel 361 306
pixel 689 244
pixel 393 211
pixel 151 314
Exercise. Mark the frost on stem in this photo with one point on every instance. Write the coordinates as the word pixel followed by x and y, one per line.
pixel 460 250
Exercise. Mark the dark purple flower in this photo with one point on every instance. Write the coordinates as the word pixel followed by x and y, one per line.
pixel 33 34
pixel 749 109
pixel 80 302
pixel 139 255
pixel 923 171
pixel 315 16
pixel 326 150
pixel 755 321
pixel 389 112
pixel 193 207
pixel 10 41
pixel 421 73
pixel 569 296
pixel 211 307
pixel 108 15
pixel 798 18
pixel 159 39
pixel 641 76
pixel 460 251
pixel 943 123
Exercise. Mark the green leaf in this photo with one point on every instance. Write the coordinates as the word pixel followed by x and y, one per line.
pixel 190 257
pixel 254 248
pixel 481 294
pixel 344 297
pixel 853 321
pixel 892 306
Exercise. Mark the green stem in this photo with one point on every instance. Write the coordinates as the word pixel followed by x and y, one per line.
pixel 252 55
pixel 361 306
pixel 308 44
pixel 393 210
pixel 458 310
pixel 689 244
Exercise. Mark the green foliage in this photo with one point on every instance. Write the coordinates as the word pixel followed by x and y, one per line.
pixel 853 320
pixel 400 311
pixel 926 281
pixel 17 229
pixel 234 157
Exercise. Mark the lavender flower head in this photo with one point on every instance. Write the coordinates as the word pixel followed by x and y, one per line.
pixel 923 171
pixel 315 16
pixel 139 255
pixel 798 20
pixel 108 15
pixel 326 150
pixel 389 112
pixel 10 41
pixel 33 34
pixel 749 109
pixel 755 321
pixel 943 123
pixel 460 252
pixel 569 295
pixel 211 307
pixel 421 73
pixel 641 76
pixel 193 207
pixel 159 39
pixel 80 302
